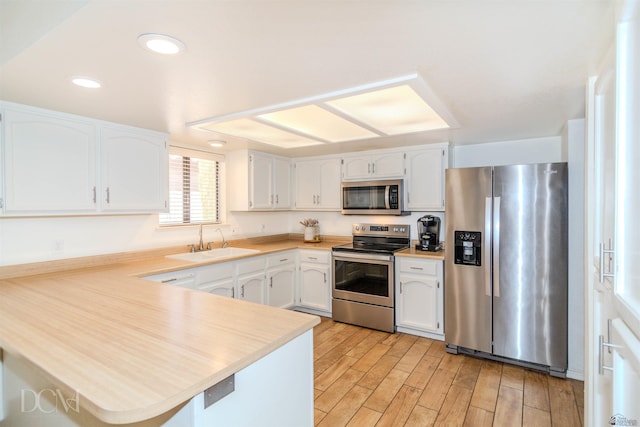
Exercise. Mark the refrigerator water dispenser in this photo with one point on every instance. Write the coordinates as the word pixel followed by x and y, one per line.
pixel 468 248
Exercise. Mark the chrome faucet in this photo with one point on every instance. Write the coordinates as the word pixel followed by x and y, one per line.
pixel 201 244
pixel 224 242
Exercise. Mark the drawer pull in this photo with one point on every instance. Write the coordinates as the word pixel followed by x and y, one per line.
pixel 312 257
pixel 416 268
pixel 284 259
pixel 173 279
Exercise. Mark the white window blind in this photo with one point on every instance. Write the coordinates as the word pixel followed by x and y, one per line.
pixel 194 187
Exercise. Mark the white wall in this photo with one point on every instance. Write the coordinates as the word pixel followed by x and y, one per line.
pixel 534 150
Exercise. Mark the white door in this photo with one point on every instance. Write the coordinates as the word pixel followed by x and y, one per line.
pixel 251 287
pixel 613 303
pixel 282 182
pixel 424 183
pixel 281 282
pixel 260 181
pixel 389 165
pixel 134 171
pixel 315 291
pixel 418 302
pixel 225 288
pixel 329 195
pixel 50 163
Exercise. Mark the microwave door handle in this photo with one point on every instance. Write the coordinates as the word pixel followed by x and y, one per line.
pixel 387 190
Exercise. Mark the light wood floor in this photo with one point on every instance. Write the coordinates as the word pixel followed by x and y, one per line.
pixel 371 378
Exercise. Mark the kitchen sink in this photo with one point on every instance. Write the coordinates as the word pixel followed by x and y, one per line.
pixel 213 254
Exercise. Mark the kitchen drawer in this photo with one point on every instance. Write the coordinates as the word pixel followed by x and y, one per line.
pixel 216 272
pixel 322 257
pixel 281 258
pixel 252 265
pixel 419 266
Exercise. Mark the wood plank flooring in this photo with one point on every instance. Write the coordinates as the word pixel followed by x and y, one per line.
pixel 371 378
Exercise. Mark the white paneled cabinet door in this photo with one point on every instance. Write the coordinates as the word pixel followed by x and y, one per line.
pixel 225 288
pixel 317 184
pixel 281 197
pixel 389 165
pixel 315 288
pixel 260 181
pixel 374 166
pixel 356 168
pixel 281 286
pixel 252 287
pixel 49 162
pixel 134 171
pixel 425 179
pixel 418 303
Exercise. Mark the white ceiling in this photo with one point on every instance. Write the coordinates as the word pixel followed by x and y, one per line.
pixel 505 69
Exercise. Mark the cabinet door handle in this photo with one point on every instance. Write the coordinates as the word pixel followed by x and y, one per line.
pixel 277 199
pixel 610 252
pixel 400 287
pixel 368 167
pixel 271 200
pixel 271 282
pixel 242 291
pixel 318 199
pixel 108 195
pixel 94 194
pixel 325 277
pixel 408 197
pixel 233 292
pixel 373 168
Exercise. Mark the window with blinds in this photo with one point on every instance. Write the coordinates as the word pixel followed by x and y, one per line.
pixel 194 187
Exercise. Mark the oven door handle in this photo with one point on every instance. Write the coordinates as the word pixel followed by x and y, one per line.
pixel 346 256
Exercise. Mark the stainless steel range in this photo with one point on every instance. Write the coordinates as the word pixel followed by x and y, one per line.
pixel 363 275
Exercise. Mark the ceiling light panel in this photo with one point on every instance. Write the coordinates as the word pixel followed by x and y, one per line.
pixel 395 110
pixel 318 122
pixel 260 132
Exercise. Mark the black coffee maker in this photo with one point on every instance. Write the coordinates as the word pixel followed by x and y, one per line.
pixel 429 233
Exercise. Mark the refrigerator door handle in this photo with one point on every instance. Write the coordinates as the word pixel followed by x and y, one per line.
pixel 487 246
pixel 496 246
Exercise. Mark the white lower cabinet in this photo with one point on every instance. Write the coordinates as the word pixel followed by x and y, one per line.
pixel 281 279
pixel 183 278
pixel 419 297
pixel 295 278
pixel 251 281
pixel 315 280
pixel 218 279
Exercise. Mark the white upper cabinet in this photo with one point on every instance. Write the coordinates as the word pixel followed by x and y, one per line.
pixel 134 171
pixel 317 184
pixel 424 183
pixel 258 181
pixel 57 164
pixel 373 166
pixel 49 163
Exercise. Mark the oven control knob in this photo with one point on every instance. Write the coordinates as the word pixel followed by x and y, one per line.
pixel 357 228
pixel 395 229
pixel 402 230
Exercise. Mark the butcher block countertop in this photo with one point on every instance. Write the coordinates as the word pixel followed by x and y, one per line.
pixel 131 348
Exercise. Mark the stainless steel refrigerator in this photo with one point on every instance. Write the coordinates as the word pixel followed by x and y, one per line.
pixel 506 263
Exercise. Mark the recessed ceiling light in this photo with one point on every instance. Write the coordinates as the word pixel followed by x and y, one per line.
pixel 217 143
pixel 86 82
pixel 161 43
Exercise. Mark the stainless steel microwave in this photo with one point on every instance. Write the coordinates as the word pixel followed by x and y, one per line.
pixel 373 198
